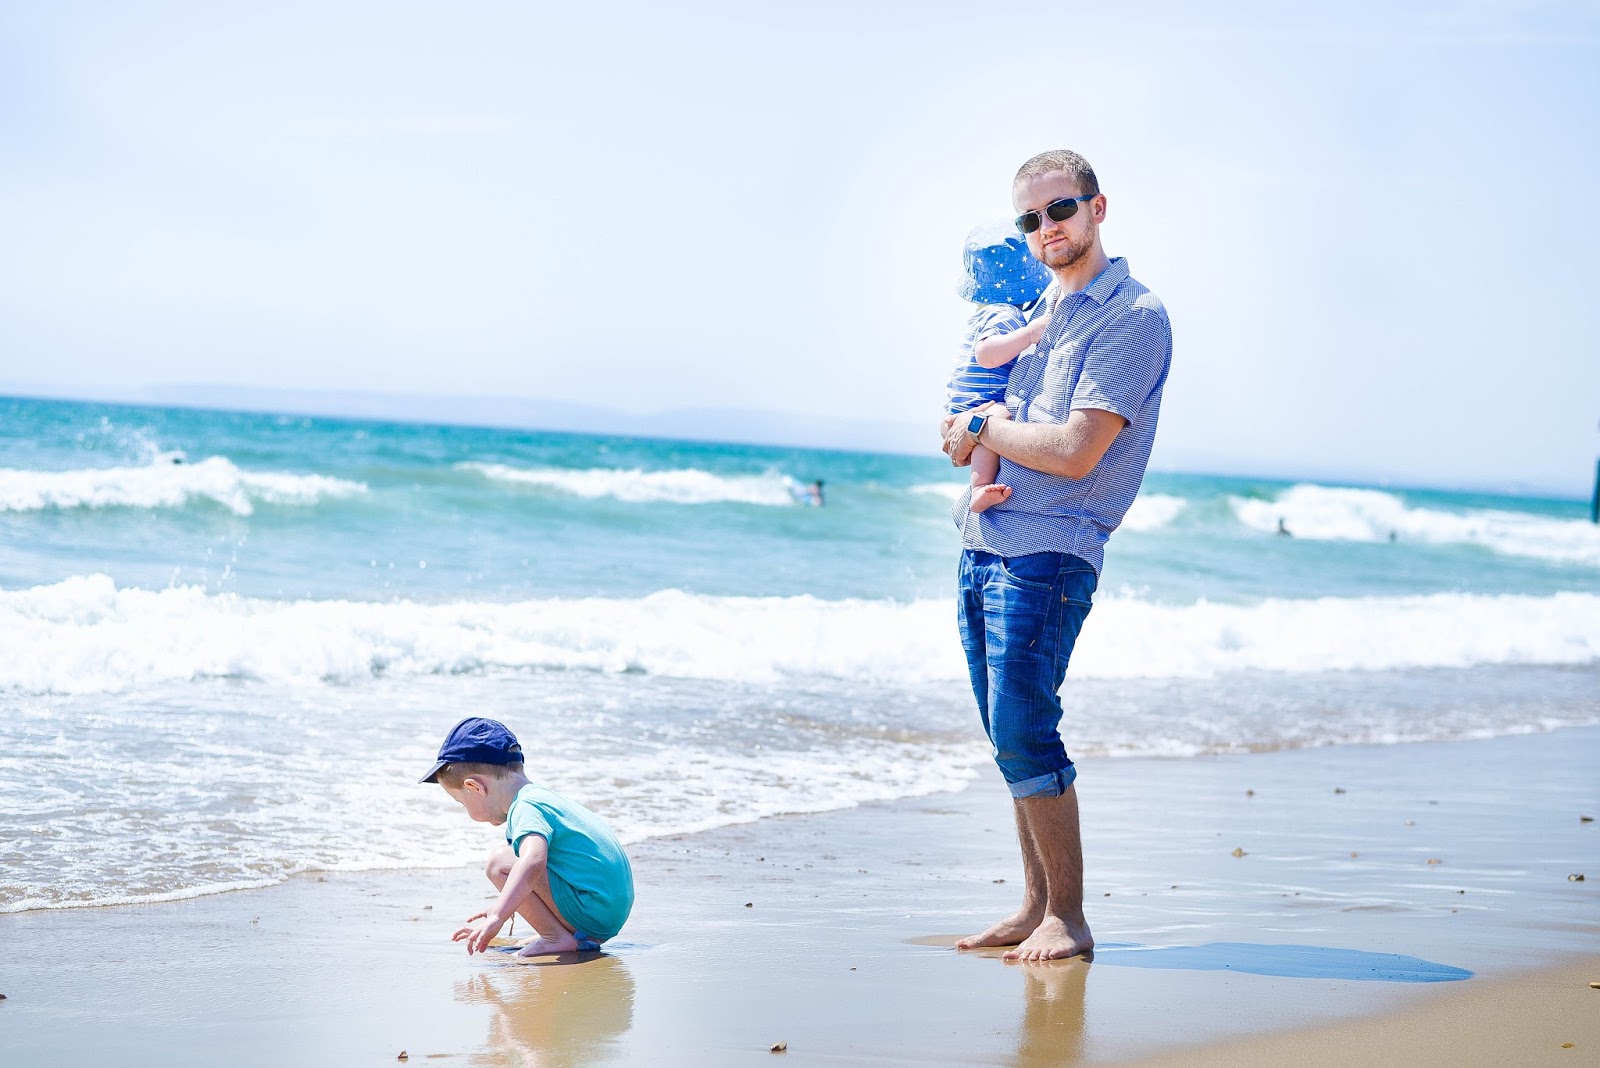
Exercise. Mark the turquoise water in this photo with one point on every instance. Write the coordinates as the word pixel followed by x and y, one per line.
pixel 205 613
pixel 450 497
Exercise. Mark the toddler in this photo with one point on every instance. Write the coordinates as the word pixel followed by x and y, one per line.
pixel 1006 282
pixel 561 868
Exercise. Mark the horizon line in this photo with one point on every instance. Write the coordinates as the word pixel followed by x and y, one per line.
pixel 1228 467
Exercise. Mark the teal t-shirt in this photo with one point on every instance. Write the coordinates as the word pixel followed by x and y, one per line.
pixel 590 877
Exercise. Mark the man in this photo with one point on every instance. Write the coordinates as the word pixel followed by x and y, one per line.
pixel 1073 436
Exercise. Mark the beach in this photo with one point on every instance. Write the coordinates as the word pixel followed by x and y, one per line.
pixel 336 419
pixel 1324 778
pixel 1413 898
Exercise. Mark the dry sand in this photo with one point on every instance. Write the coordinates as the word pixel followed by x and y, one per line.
pixel 831 933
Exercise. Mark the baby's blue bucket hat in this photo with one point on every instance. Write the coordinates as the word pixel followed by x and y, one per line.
pixel 1000 269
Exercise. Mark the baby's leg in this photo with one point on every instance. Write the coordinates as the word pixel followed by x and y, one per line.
pixel 985 469
pixel 538 908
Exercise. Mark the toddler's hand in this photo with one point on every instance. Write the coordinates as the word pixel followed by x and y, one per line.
pixel 478 932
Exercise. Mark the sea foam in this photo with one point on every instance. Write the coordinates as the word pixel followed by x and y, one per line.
pixel 1333 513
pixel 684 486
pixel 87 635
pixel 164 484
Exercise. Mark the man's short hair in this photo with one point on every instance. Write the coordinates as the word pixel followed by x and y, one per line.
pixel 1068 163
pixel 453 775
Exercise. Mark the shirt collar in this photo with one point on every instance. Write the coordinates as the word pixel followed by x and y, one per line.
pixel 1105 283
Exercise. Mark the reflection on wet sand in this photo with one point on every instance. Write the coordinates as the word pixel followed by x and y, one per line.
pixel 1051 1032
pixel 1052 1026
pixel 552 1011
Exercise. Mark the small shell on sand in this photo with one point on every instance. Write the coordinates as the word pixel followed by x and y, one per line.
pixel 778 1047
pixel 1435 860
pixel 1575 877
pixel 1238 851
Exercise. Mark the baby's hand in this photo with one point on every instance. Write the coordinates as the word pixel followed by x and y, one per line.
pixel 478 932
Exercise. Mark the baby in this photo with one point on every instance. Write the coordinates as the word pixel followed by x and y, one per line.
pixel 1005 281
pixel 561 868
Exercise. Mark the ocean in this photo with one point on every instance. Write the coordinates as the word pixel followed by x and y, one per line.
pixel 232 641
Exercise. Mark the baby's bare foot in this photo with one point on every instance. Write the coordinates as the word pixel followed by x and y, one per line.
pixel 542 947
pixel 988 496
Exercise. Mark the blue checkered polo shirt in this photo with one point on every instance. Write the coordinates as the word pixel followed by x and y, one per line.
pixel 1109 347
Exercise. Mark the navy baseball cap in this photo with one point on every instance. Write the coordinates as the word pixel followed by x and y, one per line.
pixel 476 740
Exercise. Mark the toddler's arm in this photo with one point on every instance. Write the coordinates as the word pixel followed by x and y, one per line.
pixel 999 349
pixel 481 929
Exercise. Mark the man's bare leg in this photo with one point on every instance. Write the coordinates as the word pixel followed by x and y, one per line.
pixel 1014 928
pixel 538 908
pixel 1052 826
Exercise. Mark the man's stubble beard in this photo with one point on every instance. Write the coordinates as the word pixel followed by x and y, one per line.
pixel 1064 256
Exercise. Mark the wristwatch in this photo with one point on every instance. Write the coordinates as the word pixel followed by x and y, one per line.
pixel 976 424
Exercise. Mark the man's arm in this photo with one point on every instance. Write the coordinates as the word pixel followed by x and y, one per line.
pixel 998 350
pixel 1124 363
pixel 481 929
pixel 1070 449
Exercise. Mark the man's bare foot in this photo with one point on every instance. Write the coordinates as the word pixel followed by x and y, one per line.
pixel 542 946
pixel 988 496
pixel 1008 932
pixel 1053 939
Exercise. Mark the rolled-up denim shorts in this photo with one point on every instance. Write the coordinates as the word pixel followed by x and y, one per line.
pixel 1020 616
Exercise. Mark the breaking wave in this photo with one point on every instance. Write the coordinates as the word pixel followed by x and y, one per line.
pixel 685 486
pixel 1331 513
pixel 165 484
pixel 87 635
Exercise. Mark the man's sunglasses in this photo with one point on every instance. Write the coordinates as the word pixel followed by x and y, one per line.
pixel 1058 210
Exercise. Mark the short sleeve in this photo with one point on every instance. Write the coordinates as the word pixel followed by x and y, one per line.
pixel 1124 363
pixel 525 819
pixel 996 320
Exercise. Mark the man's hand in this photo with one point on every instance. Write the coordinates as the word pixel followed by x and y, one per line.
pixel 479 932
pixel 958 444
pixel 945 426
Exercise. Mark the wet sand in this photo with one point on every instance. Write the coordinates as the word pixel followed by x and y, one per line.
pixel 1330 939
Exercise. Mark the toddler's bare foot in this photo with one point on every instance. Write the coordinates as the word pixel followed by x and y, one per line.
pixel 542 946
pixel 988 496
pixel 1053 939
pixel 1008 932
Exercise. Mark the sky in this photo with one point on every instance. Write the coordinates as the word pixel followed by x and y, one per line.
pixel 1374 226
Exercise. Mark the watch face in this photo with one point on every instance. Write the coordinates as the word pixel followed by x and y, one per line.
pixel 975 424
